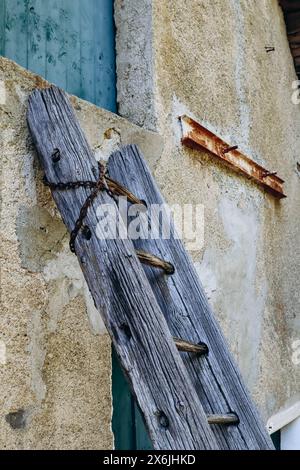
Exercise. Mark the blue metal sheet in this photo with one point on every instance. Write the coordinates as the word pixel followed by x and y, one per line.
pixel 69 42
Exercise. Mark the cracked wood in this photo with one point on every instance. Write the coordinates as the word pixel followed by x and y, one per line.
pixel 181 297
pixel 120 289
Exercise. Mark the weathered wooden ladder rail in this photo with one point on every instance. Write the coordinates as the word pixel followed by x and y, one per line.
pixel 189 390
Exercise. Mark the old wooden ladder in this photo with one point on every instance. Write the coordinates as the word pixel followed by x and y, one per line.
pixel 169 344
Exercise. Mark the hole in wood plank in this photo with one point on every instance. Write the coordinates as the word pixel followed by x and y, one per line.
pixel 235 415
pixel 144 202
pixel 163 419
pixel 204 347
pixel 125 328
pixel 86 232
pixel 55 155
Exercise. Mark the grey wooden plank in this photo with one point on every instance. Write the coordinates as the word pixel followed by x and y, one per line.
pixel 189 316
pixel 119 286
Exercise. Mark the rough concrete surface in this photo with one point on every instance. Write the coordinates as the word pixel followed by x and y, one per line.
pixel 55 355
pixel 207 59
pixel 210 62
pixel 135 84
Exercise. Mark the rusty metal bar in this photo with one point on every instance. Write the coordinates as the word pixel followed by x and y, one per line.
pixel 155 261
pixel 116 188
pixel 187 346
pixel 195 136
pixel 228 419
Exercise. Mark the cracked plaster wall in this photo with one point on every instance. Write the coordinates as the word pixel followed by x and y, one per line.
pixel 208 60
pixel 55 355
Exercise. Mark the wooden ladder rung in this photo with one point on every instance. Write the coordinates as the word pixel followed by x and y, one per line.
pixel 155 261
pixel 227 419
pixel 187 346
pixel 120 190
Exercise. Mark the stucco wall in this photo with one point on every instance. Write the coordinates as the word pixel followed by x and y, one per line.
pixel 55 356
pixel 209 61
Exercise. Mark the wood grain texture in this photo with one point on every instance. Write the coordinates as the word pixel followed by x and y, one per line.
pixel 181 298
pixel 120 289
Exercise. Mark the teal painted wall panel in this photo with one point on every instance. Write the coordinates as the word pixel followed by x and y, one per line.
pixel 69 42
pixel 142 439
pixel 128 425
pixel 123 424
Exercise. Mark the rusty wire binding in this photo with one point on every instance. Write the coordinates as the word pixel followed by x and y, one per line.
pixel 104 183
pixel 99 185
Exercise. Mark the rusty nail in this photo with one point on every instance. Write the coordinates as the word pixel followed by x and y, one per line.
pixel 229 149
pixel 269 173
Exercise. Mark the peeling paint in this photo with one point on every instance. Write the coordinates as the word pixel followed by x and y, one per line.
pixel 111 141
pixel 35 223
pixel 67 282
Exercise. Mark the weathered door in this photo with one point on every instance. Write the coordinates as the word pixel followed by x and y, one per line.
pixel 72 44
